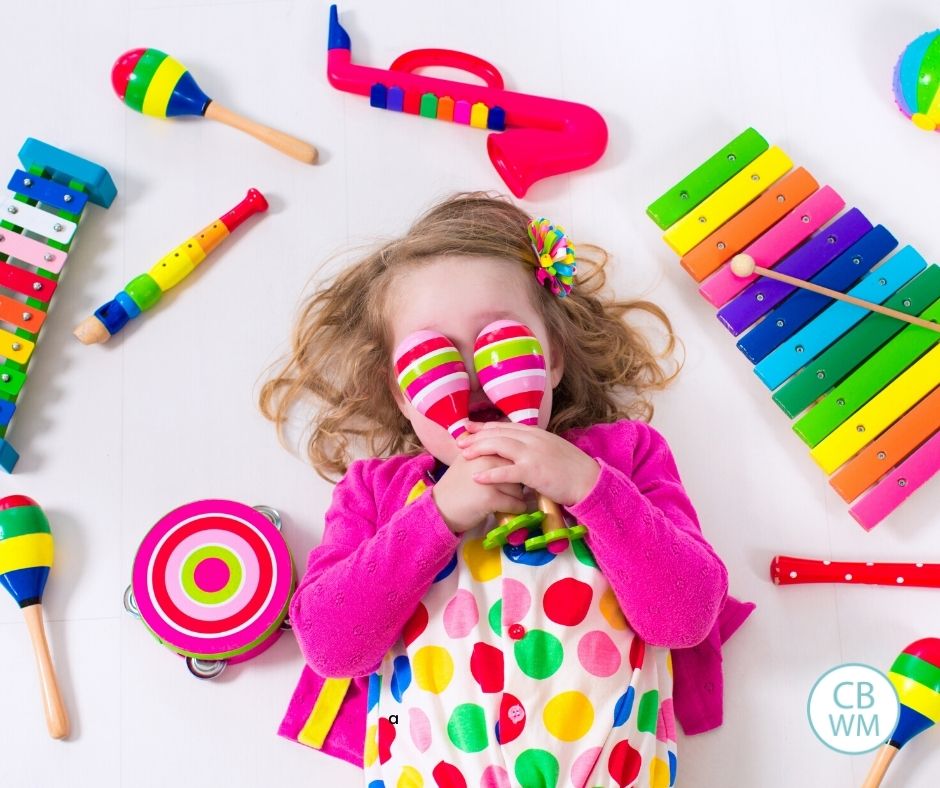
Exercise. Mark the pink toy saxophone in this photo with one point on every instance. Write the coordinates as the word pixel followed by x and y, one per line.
pixel 534 137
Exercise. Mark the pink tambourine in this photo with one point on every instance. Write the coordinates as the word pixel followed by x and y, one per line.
pixel 212 581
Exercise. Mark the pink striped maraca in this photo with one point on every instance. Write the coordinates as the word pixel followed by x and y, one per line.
pixel 510 366
pixel 431 373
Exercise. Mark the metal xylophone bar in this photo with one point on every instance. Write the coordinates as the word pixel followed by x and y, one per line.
pixel 863 387
pixel 38 219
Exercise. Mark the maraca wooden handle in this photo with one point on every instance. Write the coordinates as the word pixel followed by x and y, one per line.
pixel 787 570
pixel 880 766
pixel 57 720
pixel 285 143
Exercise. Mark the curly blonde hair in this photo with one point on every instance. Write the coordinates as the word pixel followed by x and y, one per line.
pixel 341 356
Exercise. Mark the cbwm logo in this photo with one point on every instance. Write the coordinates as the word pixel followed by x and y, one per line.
pixel 853 708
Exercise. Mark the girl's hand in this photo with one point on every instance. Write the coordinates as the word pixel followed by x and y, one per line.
pixel 464 502
pixel 539 459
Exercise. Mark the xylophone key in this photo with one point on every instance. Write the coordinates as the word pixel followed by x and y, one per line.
pixel 890 448
pixel 870 378
pixel 6 413
pixel 11 381
pixel 36 220
pixel 838 318
pixel 15 349
pixel 13 313
pixel 797 310
pixel 877 415
pixel 779 240
pixel 841 358
pixel 47 192
pixel 31 251
pixel 898 485
pixel 705 179
pixel 729 239
pixel 715 210
pixel 805 262
pixel 27 283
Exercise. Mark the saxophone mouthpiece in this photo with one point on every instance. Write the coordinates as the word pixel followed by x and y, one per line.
pixel 338 38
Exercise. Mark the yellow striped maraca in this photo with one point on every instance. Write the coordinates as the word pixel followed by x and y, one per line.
pixel 25 560
pixel 915 675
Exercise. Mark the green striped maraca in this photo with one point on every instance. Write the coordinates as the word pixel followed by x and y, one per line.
pixel 915 675
pixel 25 560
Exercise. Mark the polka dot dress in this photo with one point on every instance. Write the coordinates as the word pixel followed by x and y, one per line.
pixel 519 669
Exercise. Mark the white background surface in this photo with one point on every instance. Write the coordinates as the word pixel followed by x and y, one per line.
pixel 112 437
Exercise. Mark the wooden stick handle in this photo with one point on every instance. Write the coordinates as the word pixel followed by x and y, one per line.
pixel 840 296
pixel 285 143
pixel 880 766
pixel 57 720
pixel 553 516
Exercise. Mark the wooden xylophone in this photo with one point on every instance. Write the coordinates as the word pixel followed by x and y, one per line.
pixel 862 386
pixel 40 213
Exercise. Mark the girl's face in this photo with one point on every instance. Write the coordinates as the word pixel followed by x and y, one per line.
pixel 459 296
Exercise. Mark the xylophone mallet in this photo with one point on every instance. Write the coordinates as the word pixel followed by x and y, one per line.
pixel 25 559
pixel 743 265
pixel 915 675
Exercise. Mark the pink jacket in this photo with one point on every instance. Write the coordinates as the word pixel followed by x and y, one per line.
pixel 378 557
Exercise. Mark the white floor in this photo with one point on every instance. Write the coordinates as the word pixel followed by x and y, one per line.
pixel 112 437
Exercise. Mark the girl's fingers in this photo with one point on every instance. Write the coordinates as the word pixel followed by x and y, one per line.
pixel 507 447
pixel 505 474
pixel 486 426
pixel 512 490
pixel 521 432
pixel 506 503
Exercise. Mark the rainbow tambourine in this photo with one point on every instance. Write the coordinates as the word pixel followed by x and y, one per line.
pixel 212 581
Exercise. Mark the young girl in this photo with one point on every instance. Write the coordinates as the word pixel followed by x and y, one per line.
pixel 495 667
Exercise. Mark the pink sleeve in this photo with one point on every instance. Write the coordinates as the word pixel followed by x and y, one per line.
pixel 365 579
pixel 646 538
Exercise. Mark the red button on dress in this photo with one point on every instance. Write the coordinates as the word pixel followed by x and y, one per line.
pixel 517 631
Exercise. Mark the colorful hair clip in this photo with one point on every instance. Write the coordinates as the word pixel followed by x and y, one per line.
pixel 555 254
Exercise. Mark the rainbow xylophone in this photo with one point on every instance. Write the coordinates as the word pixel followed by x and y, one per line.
pixel 40 214
pixel 862 386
